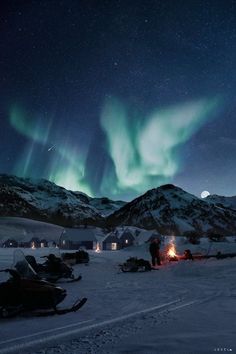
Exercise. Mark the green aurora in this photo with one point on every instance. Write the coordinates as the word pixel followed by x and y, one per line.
pixel 66 165
pixel 145 151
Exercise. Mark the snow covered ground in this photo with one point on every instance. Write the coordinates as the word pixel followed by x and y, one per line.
pixel 184 307
pixel 22 229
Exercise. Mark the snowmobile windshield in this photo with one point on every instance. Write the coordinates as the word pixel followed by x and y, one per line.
pixel 22 266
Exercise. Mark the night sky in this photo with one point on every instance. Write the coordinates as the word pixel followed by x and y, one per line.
pixel 113 98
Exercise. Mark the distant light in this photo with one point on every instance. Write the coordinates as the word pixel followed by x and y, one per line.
pixel 126 241
pixel 205 194
pixel 114 246
pixel 98 250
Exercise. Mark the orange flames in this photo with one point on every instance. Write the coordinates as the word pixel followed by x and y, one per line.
pixel 171 251
pixel 97 248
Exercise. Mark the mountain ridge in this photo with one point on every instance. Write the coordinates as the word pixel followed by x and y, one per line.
pixel 168 208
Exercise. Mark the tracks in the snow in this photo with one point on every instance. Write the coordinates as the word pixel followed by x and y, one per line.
pixel 58 335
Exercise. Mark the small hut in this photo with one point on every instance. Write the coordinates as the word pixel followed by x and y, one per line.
pixel 75 238
pixel 111 242
pixel 126 239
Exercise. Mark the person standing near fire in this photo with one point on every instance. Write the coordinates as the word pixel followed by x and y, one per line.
pixel 154 250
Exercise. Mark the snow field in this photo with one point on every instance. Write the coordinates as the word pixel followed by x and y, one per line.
pixel 183 307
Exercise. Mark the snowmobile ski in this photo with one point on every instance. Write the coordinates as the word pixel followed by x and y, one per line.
pixel 72 280
pixel 75 307
pixel 8 312
pixel 75 279
pixel 12 312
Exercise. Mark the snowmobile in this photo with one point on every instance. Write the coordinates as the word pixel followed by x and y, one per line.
pixel 52 269
pixel 25 292
pixel 77 257
pixel 134 264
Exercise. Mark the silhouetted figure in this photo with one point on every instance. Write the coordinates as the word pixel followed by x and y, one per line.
pixel 188 255
pixel 53 263
pixel 154 250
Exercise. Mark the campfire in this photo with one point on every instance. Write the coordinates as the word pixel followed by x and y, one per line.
pixel 97 248
pixel 171 253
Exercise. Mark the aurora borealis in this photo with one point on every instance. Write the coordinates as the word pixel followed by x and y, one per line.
pixel 67 165
pixel 113 99
pixel 148 152
pixel 143 150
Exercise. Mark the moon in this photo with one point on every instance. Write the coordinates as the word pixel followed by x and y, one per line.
pixel 205 194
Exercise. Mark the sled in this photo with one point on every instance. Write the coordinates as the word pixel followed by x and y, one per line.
pixel 79 257
pixel 135 265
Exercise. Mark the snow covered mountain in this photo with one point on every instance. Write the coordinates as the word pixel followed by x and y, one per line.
pixel 169 209
pixel 227 202
pixel 45 201
pixel 106 206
